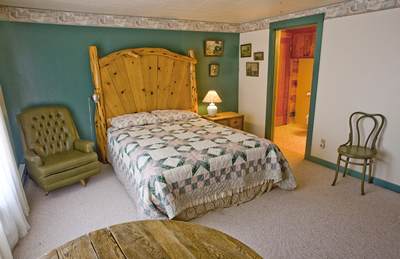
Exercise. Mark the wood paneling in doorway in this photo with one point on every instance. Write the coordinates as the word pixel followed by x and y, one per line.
pixel 283 74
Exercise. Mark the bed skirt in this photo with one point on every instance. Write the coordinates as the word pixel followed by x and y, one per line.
pixel 218 201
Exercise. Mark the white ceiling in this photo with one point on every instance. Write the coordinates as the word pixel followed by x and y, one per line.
pixel 229 11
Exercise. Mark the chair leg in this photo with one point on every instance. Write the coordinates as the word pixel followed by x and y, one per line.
pixel 363 176
pixel 337 169
pixel 371 161
pixel 83 182
pixel 47 193
pixel 345 166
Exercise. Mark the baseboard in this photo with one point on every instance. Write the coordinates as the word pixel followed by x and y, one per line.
pixel 376 181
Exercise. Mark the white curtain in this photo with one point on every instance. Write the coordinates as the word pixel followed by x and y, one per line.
pixel 13 205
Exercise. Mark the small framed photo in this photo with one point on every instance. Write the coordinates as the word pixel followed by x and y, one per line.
pixel 245 50
pixel 214 69
pixel 252 69
pixel 258 55
pixel 214 48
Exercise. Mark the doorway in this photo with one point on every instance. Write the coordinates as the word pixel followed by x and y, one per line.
pixel 282 113
pixel 295 58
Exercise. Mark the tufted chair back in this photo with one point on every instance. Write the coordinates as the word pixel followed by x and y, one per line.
pixel 48 130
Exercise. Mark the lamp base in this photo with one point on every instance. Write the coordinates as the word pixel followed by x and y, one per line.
pixel 212 110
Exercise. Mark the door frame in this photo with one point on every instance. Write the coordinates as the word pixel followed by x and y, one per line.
pixel 318 20
pixel 283 74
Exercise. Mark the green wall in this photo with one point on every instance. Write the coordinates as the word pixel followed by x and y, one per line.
pixel 43 64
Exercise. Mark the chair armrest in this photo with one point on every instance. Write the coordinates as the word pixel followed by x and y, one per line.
pixel 85 146
pixel 31 157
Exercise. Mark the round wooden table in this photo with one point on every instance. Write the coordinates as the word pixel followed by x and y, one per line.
pixel 154 239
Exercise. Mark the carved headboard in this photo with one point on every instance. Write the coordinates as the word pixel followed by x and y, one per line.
pixel 140 80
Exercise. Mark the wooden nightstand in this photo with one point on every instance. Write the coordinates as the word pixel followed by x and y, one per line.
pixel 231 119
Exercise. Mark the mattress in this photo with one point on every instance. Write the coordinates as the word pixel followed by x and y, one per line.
pixel 183 169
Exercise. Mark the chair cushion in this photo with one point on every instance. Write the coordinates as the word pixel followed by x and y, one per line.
pixel 356 152
pixel 66 160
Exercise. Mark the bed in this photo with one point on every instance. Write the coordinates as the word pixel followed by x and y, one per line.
pixel 173 163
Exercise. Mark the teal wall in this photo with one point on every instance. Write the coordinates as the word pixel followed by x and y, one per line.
pixel 43 64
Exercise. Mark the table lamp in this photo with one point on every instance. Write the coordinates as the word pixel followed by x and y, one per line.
pixel 212 97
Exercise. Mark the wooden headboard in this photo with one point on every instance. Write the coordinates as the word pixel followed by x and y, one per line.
pixel 140 80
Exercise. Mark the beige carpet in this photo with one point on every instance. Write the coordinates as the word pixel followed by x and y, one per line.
pixel 315 220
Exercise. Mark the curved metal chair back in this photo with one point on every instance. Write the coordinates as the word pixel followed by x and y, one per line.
pixel 361 144
pixel 371 139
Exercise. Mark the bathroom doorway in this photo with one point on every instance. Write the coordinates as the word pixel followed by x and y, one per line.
pixel 287 110
pixel 295 51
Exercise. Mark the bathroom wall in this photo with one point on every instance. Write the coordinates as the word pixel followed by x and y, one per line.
pixel 304 79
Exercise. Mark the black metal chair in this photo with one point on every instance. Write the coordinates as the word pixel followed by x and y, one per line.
pixel 361 144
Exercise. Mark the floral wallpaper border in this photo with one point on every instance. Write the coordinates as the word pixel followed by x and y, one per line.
pixel 8 13
pixel 331 11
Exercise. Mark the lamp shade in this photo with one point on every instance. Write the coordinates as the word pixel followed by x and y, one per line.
pixel 212 97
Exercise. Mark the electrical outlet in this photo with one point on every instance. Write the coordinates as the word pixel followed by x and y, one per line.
pixel 322 144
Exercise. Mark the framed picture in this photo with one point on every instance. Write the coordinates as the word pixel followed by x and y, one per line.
pixel 245 50
pixel 214 48
pixel 214 69
pixel 258 55
pixel 252 69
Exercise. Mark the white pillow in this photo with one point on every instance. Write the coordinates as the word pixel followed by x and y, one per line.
pixel 133 119
pixel 174 115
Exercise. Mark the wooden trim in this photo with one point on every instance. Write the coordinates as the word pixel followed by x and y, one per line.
pixel 354 173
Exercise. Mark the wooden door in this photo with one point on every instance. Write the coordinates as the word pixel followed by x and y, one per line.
pixel 283 76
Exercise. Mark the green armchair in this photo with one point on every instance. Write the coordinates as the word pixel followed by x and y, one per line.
pixel 55 155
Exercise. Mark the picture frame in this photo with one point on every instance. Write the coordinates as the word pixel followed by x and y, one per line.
pixel 259 55
pixel 252 69
pixel 214 48
pixel 245 50
pixel 214 70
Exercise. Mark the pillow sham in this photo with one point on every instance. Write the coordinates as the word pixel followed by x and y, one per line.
pixel 133 119
pixel 174 115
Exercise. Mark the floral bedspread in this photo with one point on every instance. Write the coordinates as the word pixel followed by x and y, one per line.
pixel 165 165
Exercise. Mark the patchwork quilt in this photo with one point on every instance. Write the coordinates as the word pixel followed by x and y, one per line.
pixel 166 165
